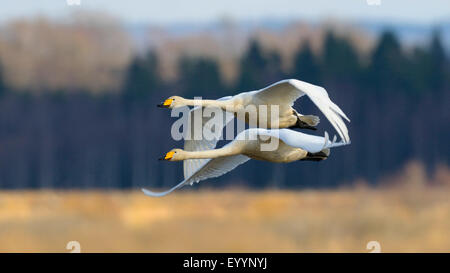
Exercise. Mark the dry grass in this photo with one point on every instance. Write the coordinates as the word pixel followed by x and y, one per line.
pixel 234 220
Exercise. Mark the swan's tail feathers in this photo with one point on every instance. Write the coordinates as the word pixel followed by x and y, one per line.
pixel 310 120
pixel 333 143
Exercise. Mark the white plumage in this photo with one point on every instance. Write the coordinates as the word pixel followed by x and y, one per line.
pixel 190 144
pixel 201 161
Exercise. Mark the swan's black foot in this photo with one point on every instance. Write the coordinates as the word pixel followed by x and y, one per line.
pixel 322 155
pixel 306 121
pixel 303 125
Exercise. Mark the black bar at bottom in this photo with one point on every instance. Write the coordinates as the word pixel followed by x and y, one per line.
pixel 225 262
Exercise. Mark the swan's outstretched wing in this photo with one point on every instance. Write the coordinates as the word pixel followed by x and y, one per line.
pixel 310 143
pixel 211 168
pixel 196 123
pixel 287 91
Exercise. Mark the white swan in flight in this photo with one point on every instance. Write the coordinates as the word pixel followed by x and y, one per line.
pixel 283 93
pixel 292 146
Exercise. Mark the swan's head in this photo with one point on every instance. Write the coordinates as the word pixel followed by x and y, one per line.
pixel 174 155
pixel 172 102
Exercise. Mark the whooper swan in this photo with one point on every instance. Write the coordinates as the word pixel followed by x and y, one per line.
pixel 283 93
pixel 292 146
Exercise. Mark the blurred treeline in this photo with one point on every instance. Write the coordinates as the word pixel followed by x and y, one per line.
pixel 60 128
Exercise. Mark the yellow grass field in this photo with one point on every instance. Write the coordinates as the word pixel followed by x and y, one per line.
pixel 227 221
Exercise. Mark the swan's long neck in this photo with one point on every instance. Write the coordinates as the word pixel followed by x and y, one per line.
pixel 224 151
pixel 207 103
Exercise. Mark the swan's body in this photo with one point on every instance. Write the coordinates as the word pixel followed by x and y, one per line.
pixel 292 146
pixel 283 94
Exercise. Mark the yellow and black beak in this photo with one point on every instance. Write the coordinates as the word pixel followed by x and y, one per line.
pixel 168 156
pixel 166 103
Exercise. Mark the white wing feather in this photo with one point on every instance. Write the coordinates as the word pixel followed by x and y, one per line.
pixel 211 168
pixel 287 91
pixel 310 143
pixel 191 165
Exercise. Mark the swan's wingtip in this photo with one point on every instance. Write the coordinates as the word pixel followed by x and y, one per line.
pixel 345 117
pixel 327 139
pixel 152 193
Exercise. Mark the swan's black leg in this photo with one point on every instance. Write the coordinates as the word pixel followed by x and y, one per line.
pixel 315 156
pixel 303 125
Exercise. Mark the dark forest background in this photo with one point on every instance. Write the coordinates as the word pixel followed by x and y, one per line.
pixel 397 99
